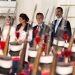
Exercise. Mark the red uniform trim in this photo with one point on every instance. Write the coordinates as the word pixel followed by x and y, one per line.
pixel 46 73
pixel 30 68
pixel 59 55
pixel 73 63
pixel 16 58
pixel 23 73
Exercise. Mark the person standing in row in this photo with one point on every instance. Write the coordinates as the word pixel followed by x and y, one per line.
pixel 6 29
pixel 57 34
pixel 4 33
pixel 40 26
pixel 22 29
pixel 58 23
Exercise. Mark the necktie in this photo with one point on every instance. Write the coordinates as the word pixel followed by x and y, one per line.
pixel 39 27
pixel 57 23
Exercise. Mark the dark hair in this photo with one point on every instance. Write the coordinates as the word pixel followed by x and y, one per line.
pixel 60 8
pixel 9 17
pixel 40 14
pixel 14 53
pixel 45 65
pixel 10 20
pixel 4 71
pixel 24 17
pixel 31 59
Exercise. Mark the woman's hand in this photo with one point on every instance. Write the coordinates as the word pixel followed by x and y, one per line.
pixel 15 39
pixel 51 51
pixel 21 41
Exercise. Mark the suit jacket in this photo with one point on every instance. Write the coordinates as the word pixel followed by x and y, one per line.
pixel 34 35
pixel 67 30
pixel 46 30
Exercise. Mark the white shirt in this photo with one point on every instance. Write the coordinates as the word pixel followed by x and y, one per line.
pixel 23 34
pixel 59 19
pixel 39 27
pixel 57 24
pixel 5 33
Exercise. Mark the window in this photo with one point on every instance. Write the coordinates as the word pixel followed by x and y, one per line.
pixel 7 0
pixel 3 0
pixel 13 0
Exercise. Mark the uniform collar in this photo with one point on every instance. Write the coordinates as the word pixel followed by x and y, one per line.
pixel 46 73
pixel 23 73
pixel 59 55
pixel 30 67
pixel 15 58
pixel 73 63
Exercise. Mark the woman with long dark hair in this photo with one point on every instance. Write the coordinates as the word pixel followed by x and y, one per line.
pixel 22 28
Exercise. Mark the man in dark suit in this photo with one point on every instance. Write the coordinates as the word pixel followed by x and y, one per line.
pixel 56 31
pixel 40 25
pixel 58 23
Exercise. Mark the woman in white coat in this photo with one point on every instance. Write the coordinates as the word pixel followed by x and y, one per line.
pixel 23 28
pixel 6 29
pixel 5 33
